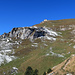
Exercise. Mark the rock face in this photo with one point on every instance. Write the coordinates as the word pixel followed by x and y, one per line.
pixel 7 42
pixel 6 48
pixel 29 33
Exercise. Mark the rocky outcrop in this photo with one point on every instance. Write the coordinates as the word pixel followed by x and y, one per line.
pixel 29 32
pixel 7 42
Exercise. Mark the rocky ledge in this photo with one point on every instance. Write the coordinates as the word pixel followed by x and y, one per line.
pixel 30 33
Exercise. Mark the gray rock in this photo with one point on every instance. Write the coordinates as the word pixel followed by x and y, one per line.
pixel 29 33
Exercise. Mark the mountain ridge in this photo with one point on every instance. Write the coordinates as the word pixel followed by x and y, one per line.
pixel 40 46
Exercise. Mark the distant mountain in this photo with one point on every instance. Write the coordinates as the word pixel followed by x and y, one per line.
pixel 41 46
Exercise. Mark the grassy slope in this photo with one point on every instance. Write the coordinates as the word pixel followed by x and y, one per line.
pixel 67 66
pixel 36 57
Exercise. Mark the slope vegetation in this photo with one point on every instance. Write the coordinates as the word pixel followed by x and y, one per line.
pixel 43 52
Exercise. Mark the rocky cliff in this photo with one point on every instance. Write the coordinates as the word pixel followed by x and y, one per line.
pixel 7 43
pixel 30 33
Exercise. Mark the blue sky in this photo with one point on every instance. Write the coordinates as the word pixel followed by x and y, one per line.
pixel 22 13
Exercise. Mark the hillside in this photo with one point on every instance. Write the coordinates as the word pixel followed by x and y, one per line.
pixel 41 46
pixel 65 68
